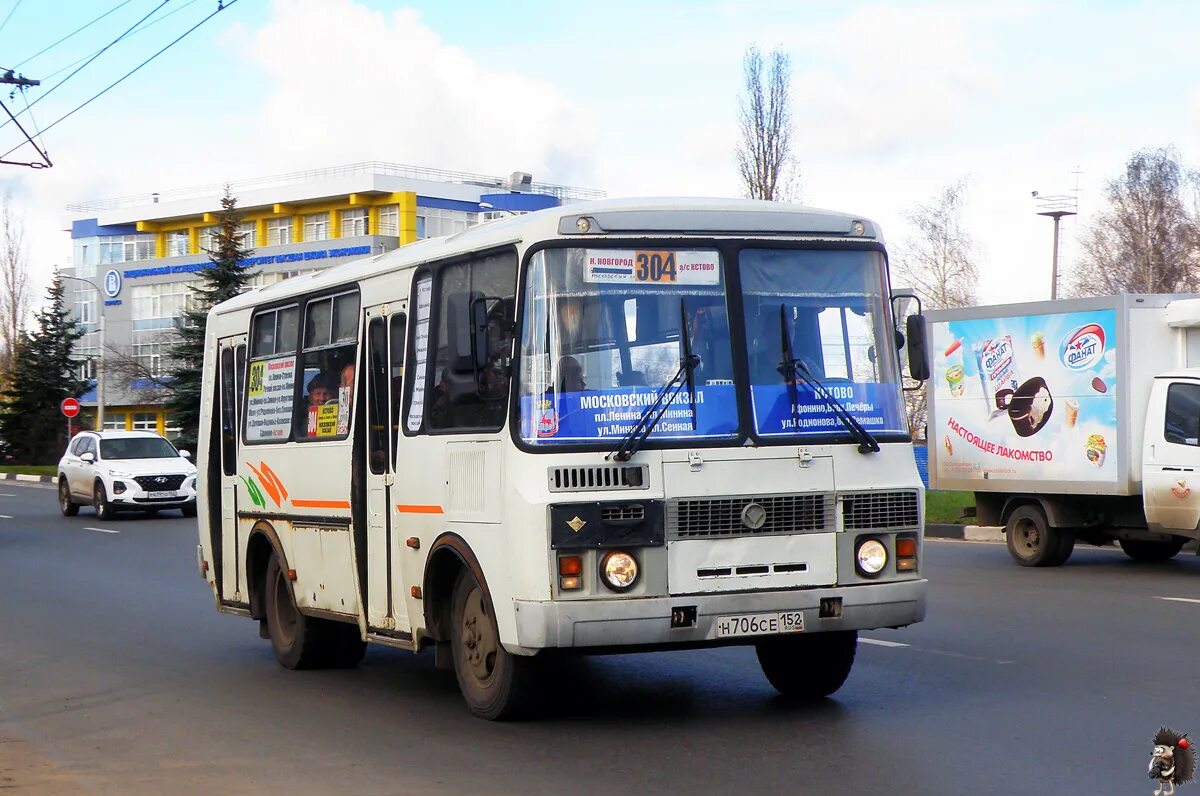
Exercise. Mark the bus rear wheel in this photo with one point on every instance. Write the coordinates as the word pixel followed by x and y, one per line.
pixel 298 641
pixel 495 683
pixel 803 666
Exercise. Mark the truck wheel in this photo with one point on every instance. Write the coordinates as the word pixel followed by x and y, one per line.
pixel 66 504
pixel 495 683
pixel 299 642
pixel 1142 550
pixel 1066 546
pixel 803 666
pixel 1031 540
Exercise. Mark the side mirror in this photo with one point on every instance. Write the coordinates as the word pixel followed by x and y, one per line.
pixel 87 458
pixel 185 453
pixel 918 355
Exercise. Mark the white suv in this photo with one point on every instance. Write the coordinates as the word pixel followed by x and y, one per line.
pixel 124 471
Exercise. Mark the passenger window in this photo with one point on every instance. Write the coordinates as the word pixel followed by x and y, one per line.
pixel 377 392
pixel 463 398
pixel 399 322
pixel 271 374
pixel 228 413
pixel 327 368
pixel 1183 414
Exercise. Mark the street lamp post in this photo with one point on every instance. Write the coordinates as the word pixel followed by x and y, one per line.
pixel 99 359
pixel 1056 207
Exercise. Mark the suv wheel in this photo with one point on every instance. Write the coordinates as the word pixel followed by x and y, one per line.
pixel 66 505
pixel 104 509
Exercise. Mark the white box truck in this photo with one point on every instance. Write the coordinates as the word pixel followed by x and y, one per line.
pixel 1071 420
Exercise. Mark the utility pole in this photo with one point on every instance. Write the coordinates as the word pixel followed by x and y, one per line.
pixel 21 82
pixel 1055 207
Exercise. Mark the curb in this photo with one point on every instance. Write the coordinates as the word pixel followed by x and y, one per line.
pixel 944 531
pixel 974 533
pixel 40 479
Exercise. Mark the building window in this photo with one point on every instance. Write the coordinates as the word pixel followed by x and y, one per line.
pixel 434 222
pixel 85 307
pixel 389 220
pixel 145 421
pixel 316 226
pixel 160 306
pixel 151 357
pixel 279 231
pixel 87 256
pixel 354 222
pixel 178 243
pixel 114 421
pixel 209 237
pixel 85 359
pixel 247 232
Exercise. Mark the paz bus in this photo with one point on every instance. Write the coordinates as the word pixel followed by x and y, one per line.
pixel 608 426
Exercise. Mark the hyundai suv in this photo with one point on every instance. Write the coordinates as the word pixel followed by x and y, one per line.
pixel 125 471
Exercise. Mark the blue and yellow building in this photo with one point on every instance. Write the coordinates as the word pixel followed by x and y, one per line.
pixel 135 258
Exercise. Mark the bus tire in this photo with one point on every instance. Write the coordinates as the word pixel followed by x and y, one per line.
pixel 1031 540
pixel 803 667
pixel 495 683
pixel 66 504
pixel 346 646
pixel 299 641
pixel 188 509
pixel 1143 550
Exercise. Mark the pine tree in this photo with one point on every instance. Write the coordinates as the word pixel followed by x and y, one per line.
pixel 43 374
pixel 224 278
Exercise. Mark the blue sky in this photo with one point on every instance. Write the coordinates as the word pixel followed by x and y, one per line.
pixel 893 101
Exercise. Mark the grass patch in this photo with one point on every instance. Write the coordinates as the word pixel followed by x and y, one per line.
pixel 947 507
pixel 30 469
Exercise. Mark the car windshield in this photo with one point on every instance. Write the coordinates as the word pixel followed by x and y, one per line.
pixel 831 306
pixel 137 448
pixel 602 336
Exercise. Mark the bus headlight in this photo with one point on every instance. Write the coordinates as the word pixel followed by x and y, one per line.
pixel 871 557
pixel 618 570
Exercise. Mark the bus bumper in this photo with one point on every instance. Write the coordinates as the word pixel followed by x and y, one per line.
pixel 647 620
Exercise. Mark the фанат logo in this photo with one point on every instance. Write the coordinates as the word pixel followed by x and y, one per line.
pixel 1083 347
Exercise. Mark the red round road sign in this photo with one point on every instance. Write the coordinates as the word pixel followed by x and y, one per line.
pixel 70 407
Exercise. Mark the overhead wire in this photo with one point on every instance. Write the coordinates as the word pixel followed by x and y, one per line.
pixel 138 29
pixel 220 7
pixel 16 5
pixel 50 47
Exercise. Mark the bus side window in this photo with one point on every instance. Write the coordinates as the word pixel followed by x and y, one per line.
pixel 326 368
pixel 227 384
pixel 399 323
pixel 482 403
pixel 377 392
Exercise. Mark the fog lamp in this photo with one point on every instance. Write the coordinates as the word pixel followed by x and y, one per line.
pixel 618 570
pixel 118 487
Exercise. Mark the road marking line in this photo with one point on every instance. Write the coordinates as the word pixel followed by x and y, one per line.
pixel 7 494
pixel 1179 599
pixel 99 530
pixel 6 516
pixel 880 642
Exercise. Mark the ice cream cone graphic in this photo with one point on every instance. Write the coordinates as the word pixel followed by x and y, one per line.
pixel 1038 341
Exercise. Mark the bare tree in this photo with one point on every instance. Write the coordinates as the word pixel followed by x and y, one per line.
pixel 764 154
pixel 129 373
pixel 1147 239
pixel 938 261
pixel 14 282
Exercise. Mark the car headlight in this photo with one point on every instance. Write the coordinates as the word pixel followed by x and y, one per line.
pixel 618 570
pixel 119 474
pixel 871 557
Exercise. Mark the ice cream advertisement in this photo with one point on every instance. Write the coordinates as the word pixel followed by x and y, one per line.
pixel 1027 397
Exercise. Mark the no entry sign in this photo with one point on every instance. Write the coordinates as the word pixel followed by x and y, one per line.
pixel 70 407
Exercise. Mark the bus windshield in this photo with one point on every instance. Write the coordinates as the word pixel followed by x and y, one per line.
pixel 830 304
pixel 604 332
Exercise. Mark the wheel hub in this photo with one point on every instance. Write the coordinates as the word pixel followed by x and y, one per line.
pixel 478 640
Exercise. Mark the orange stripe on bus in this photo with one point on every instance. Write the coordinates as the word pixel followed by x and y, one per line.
pixel 269 473
pixel 403 509
pixel 321 504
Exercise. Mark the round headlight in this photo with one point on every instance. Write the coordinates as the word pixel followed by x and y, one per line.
pixel 619 570
pixel 872 557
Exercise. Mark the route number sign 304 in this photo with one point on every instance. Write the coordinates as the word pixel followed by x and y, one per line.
pixel 758 624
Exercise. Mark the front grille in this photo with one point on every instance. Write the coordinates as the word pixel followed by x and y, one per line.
pixel 160 483
pixel 877 511
pixel 708 518
pixel 634 512
pixel 600 477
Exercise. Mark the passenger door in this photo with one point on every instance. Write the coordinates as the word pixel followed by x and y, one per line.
pixel 227 538
pixel 1171 460
pixel 85 472
pixel 385 340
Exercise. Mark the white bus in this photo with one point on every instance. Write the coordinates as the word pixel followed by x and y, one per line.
pixel 609 426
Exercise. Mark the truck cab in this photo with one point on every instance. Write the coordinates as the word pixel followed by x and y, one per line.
pixel 1171 454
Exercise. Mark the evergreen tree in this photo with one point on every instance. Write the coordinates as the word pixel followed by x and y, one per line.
pixel 224 278
pixel 42 375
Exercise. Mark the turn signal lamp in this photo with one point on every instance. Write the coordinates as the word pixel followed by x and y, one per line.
pixel 570 571
pixel 906 553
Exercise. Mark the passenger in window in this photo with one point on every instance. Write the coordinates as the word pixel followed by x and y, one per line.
pixel 347 379
pixel 570 375
pixel 319 391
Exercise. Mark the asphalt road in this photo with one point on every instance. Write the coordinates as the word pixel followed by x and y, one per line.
pixel 118 676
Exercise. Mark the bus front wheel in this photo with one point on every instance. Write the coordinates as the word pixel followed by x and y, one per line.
pixel 803 666
pixel 494 682
pixel 295 638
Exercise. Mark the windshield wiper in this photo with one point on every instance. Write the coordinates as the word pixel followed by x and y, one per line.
pixel 792 369
pixel 686 375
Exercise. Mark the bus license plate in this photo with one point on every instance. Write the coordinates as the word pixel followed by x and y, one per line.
pixel 160 494
pixel 758 624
